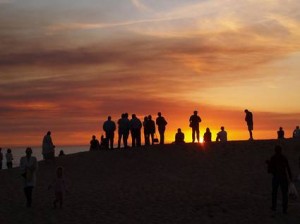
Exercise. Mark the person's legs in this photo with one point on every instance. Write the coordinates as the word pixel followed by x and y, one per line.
pixel 147 139
pixel 133 138
pixel 275 185
pixel 119 139
pixel 112 140
pixel 125 137
pixel 198 134
pixel 161 136
pixel 284 189
pixel 138 137
pixel 193 134
pixel 152 137
pixel 250 128
pixel 28 195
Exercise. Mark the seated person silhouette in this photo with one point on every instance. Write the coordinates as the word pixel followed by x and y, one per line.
pixel 179 137
pixel 207 136
pixel 222 135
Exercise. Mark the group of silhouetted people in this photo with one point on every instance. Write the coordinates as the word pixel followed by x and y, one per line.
pixel 133 127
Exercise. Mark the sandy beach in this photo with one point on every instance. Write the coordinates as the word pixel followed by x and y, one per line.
pixel 190 183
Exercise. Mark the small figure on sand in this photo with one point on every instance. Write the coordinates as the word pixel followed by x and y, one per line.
pixel 28 167
pixel 179 137
pixel 109 127
pixel 280 133
pixel 296 133
pixel 222 135
pixel 249 121
pixel 135 125
pixel 123 130
pixel 94 144
pixel 61 153
pixel 279 167
pixel 1 158
pixel 207 136
pixel 194 124
pixel 48 147
pixel 9 159
pixel 161 124
pixel 59 187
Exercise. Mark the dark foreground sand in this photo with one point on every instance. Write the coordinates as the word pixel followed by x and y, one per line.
pixel 160 184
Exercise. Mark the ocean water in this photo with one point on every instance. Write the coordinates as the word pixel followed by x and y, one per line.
pixel 18 152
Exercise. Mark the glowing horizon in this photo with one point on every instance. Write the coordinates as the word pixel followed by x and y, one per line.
pixel 65 68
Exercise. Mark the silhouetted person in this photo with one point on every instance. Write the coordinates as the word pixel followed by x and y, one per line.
pixel 207 136
pixel 9 159
pixel 146 131
pixel 28 166
pixel 279 167
pixel 179 137
pixel 48 147
pixel 135 128
pixel 123 130
pixel 109 127
pixel 1 158
pixel 59 187
pixel 296 133
pixel 161 124
pixel 222 135
pixel 194 124
pixel 151 128
pixel 94 144
pixel 280 133
pixel 61 153
pixel 249 121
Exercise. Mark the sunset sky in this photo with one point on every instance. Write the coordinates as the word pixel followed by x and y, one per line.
pixel 65 65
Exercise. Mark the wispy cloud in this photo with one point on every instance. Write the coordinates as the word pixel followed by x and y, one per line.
pixel 140 5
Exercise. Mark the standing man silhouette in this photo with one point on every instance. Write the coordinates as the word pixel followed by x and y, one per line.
pixel 109 127
pixel 249 120
pixel 194 124
pixel 161 124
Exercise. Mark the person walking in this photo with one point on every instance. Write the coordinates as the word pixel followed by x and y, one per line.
pixel 28 167
pixel 194 124
pixel 161 124
pixel 249 121
pixel 109 127
pixel 279 167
